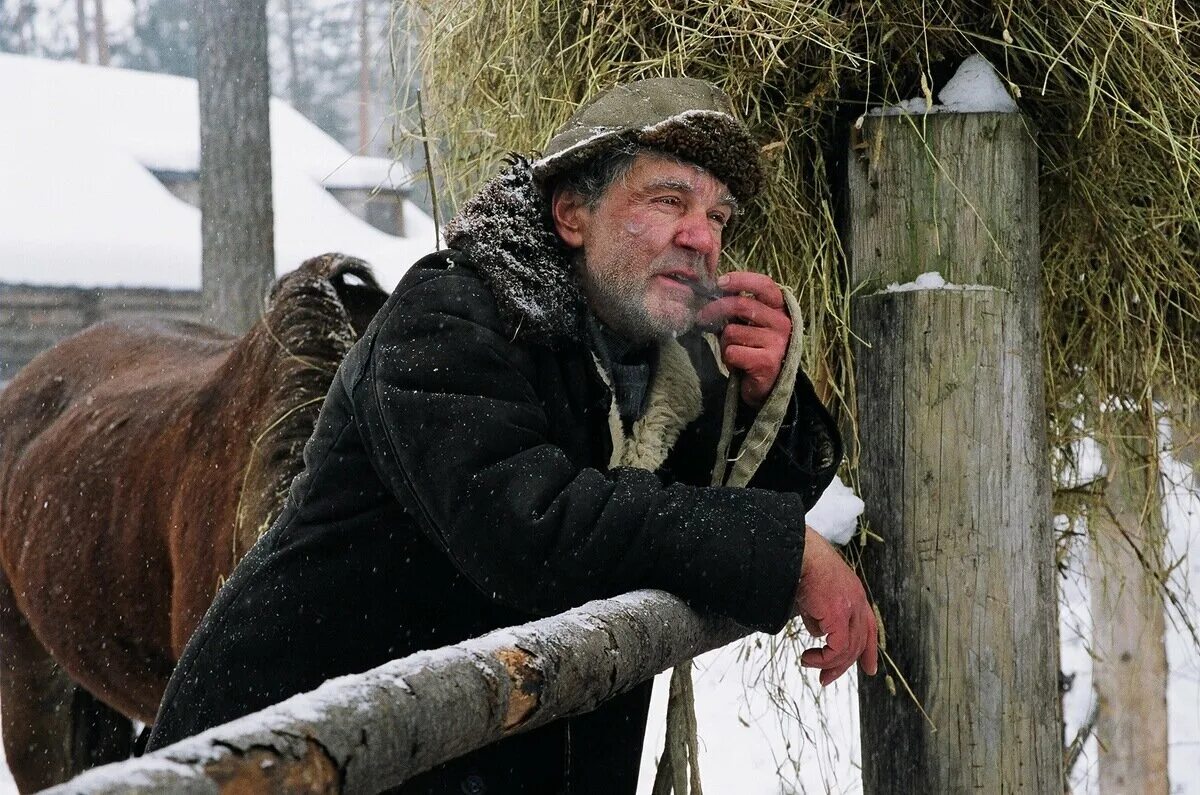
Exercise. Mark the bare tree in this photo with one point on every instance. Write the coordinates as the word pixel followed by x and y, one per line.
pixel 102 56
pixel 27 39
pixel 81 28
pixel 364 78
pixel 289 14
pixel 238 262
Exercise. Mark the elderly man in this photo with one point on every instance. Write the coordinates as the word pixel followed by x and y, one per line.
pixel 535 419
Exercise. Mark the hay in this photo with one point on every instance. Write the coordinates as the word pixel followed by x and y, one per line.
pixel 1112 88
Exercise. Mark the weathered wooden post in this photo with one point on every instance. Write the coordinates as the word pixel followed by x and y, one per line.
pixel 952 456
pixel 1129 672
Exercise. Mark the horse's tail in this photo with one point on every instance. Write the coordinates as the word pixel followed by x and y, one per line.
pixel 314 315
pixel 350 278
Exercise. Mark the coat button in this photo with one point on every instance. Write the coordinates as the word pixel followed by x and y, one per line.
pixel 473 785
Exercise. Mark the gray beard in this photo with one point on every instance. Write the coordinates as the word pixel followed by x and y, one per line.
pixel 621 305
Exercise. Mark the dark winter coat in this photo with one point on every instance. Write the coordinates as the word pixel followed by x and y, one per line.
pixel 469 472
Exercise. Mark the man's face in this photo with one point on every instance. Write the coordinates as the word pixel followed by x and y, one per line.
pixel 653 230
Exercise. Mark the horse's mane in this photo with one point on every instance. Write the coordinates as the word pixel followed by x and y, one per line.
pixel 314 315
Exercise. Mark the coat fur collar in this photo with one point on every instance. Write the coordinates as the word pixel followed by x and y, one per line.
pixel 673 402
pixel 506 232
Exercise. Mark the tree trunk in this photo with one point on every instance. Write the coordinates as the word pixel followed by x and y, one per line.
pixel 376 730
pixel 102 56
pixel 81 31
pixel 364 80
pixel 1128 622
pixel 953 459
pixel 27 29
pixel 238 260
pixel 289 15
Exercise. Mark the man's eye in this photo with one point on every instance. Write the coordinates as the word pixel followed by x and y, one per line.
pixel 719 218
pixel 673 201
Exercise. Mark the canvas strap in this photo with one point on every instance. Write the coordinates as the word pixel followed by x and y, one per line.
pixel 679 766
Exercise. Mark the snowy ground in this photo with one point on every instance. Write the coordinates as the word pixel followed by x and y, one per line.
pixel 751 746
pixel 7 786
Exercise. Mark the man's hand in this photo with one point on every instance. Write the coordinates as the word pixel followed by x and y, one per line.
pixel 831 600
pixel 756 338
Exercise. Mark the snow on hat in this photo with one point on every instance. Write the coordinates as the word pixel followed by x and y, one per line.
pixel 691 119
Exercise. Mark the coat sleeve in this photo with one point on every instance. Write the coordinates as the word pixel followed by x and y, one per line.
pixel 456 430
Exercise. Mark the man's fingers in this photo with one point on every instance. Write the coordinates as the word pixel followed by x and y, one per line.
pixel 751 337
pixel 762 286
pixel 832 664
pixel 752 362
pixel 827 659
pixel 839 641
pixel 856 642
pixel 747 310
pixel 864 638
pixel 758 370
pixel 838 650
pixel 830 591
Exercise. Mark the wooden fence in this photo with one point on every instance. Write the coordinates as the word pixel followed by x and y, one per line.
pixel 367 732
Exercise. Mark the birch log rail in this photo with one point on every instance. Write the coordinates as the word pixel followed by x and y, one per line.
pixel 370 731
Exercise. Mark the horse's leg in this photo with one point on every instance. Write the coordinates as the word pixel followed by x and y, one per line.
pixel 99 734
pixel 35 703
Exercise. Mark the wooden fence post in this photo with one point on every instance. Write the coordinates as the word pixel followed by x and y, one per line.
pixel 1129 671
pixel 952 457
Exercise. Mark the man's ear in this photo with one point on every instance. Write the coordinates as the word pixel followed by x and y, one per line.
pixel 570 217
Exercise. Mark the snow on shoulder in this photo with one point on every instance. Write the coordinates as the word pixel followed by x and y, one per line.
pixel 82 206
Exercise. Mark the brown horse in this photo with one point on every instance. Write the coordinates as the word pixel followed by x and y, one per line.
pixel 138 462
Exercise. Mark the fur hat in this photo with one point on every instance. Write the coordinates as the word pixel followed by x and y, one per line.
pixel 691 119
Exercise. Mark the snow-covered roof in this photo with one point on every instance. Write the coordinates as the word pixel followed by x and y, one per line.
pixel 79 205
pixel 362 171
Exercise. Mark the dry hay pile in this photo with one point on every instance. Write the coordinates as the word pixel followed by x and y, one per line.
pixel 1113 89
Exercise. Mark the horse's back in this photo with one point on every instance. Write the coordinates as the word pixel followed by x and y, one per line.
pixel 109 359
pixel 113 354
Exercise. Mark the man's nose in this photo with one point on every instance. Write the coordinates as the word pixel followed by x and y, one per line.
pixel 698 234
